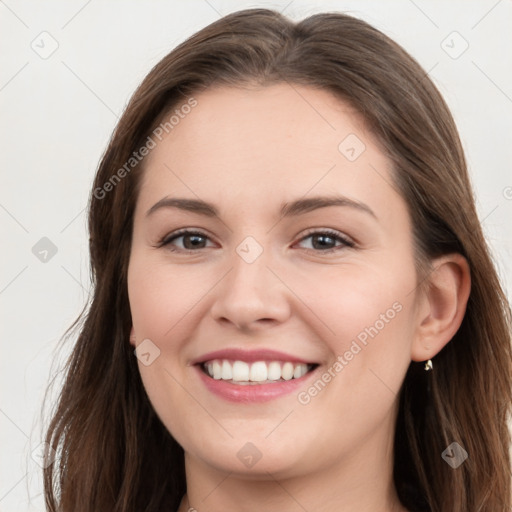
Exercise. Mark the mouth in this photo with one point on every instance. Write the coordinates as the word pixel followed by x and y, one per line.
pixel 244 373
pixel 252 376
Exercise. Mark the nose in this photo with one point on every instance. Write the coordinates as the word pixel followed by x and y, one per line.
pixel 251 296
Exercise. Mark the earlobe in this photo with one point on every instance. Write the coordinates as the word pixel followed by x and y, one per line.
pixel 445 301
pixel 132 336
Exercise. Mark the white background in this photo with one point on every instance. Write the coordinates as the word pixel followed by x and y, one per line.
pixel 58 112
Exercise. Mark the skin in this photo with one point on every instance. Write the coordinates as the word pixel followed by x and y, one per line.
pixel 248 151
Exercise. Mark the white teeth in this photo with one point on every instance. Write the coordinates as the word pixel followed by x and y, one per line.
pixel 274 371
pixel 240 371
pixel 300 370
pixel 227 371
pixel 287 371
pixel 259 371
pixel 217 370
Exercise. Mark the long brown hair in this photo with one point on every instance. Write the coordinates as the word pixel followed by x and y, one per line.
pixel 115 454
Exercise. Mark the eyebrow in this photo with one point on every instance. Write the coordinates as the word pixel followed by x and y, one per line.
pixel 294 208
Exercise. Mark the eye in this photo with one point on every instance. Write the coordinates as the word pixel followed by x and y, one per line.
pixel 325 241
pixel 190 241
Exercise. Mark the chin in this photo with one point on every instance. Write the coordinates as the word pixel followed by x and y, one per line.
pixel 253 459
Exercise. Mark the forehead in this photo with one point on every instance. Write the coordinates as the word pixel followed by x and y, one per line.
pixel 278 118
pixel 276 142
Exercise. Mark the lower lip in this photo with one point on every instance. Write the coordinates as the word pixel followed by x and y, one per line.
pixel 250 393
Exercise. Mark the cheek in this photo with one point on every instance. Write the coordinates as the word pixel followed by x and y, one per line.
pixel 369 312
pixel 159 298
pixel 352 300
pixel 159 302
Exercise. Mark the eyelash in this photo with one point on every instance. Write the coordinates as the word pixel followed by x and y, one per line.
pixel 345 242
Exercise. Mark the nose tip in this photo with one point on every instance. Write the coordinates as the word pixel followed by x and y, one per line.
pixel 250 296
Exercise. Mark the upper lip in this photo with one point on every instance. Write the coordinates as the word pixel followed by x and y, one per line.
pixel 238 354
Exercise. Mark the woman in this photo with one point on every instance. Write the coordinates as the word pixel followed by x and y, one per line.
pixel 294 305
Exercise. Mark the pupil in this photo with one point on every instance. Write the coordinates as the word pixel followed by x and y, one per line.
pixel 194 241
pixel 325 241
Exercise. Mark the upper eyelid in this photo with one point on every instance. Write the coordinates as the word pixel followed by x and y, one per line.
pixel 345 240
pixel 179 233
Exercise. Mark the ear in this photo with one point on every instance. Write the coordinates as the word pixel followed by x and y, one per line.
pixel 442 305
pixel 132 337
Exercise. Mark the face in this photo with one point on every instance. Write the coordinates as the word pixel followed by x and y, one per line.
pixel 272 283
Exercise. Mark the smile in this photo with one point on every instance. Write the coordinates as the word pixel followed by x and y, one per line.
pixel 249 376
pixel 255 373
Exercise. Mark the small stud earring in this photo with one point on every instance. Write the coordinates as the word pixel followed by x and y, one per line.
pixel 428 365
